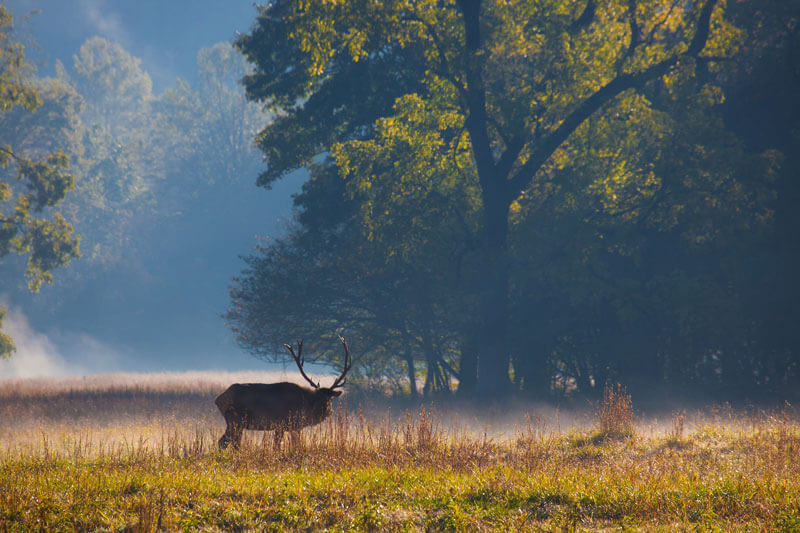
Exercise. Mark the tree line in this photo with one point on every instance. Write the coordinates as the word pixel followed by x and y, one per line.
pixel 532 197
pixel 95 166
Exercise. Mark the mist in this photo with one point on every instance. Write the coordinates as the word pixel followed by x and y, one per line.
pixel 162 233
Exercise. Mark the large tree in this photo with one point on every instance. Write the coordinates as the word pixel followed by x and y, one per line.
pixel 519 78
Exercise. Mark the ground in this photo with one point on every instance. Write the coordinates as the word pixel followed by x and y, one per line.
pixel 133 456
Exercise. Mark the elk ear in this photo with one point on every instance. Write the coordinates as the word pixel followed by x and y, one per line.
pixel 336 393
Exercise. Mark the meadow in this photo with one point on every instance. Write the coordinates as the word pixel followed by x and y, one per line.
pixel 138 453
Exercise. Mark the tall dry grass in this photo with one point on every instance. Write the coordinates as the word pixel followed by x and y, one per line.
pixel 615 412
pixel 110 456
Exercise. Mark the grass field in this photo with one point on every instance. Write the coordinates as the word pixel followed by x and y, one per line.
pixel 139 454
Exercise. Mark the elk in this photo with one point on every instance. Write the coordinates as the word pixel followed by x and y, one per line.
pixel 278 407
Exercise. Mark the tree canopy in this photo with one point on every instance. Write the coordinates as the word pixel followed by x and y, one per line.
pixel 520 195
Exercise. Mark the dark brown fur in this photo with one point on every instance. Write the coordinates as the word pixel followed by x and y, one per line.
pixel 278 407
pixel 274 407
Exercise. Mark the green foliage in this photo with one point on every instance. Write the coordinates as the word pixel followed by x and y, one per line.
pixel 560 180
pixel 30 228
pixel 415 180
pixel 13 91
pixel 7 346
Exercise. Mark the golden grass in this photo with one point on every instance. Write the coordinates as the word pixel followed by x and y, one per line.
pixel 615 412
pixel 145 459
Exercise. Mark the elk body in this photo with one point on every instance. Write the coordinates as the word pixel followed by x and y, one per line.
pixel 278 407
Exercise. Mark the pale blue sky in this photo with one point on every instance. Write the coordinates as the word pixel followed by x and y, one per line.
pixel 165 35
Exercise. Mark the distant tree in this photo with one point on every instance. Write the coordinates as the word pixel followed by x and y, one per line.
pixel 158 179
pixel 209 126
pixel 141 161
pixel 206 130
pixel 32 182
pixel 114 159
pixel 112 80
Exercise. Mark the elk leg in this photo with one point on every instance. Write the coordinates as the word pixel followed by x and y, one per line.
pixel 278 439
pixel 236 435
pixel 233 431
pixel 295 439
pixel 232 435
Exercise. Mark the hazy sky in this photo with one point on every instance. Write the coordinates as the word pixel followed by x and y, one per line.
pixel 164 34
pixel 166 328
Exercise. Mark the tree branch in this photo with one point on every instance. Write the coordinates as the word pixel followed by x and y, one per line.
pixel 444 64
pixel 499 129
pixel 703 27
pixel 660 24
pixel 11 153
pixel 636 37
pixel 509 156
pixel 586 16
pixel 476 122
pixel 603 95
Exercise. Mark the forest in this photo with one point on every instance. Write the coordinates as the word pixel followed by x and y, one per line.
pixel 518 198
pixel 533 198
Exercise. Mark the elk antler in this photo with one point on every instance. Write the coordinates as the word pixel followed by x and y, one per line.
pixel 300 359
pixel 348 362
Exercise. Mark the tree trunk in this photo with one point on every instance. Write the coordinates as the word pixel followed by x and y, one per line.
pixel 493 355
pixel 412 373
pixel 436 380
pixel 468 369
pixel 493 358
